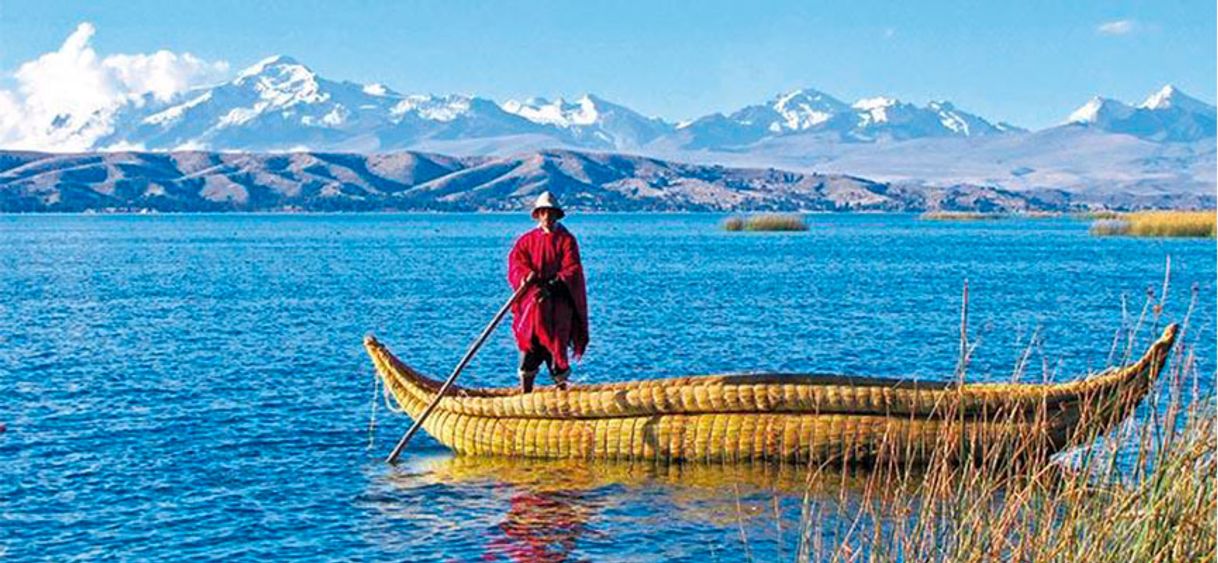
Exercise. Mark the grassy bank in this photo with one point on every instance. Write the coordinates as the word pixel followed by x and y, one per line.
pixel 766 222
pixel 1158 224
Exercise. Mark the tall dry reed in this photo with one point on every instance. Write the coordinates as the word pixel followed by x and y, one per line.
pixel 1146 490
pixel 1159 224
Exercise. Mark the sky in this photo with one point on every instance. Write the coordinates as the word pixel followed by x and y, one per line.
pixel 1029 63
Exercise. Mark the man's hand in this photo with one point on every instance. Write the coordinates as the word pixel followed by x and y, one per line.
pixel 529 279
pixel 550 288
pixel 543 292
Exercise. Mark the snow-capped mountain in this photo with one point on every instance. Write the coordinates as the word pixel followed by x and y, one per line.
pixel 1169 97
pixel 888 118
pixel 279 104
pixel 593 122
pixel 793 112
pixel 810 111
pixel 1167 115
pixel 276 104
pixel 804 110
pixel 1100 111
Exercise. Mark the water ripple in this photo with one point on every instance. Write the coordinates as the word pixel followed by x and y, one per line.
pixel 194 386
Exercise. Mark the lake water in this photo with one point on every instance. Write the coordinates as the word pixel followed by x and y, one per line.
pixel 196 385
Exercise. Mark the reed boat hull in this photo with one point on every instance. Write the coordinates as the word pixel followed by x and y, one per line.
pixel 765 418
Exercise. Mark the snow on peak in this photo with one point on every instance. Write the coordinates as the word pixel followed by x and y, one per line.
pixel 1098 110
pixel 955 121
pixel 1169 97
pixel 878 102
pixel 376 89
pixel 808 96
pixel 560 113
pixel 1168 115
pixel 875 110
pixel 1161 99
pixel 268 63
pixel 805 108
pixel 281 81
pixel 434 108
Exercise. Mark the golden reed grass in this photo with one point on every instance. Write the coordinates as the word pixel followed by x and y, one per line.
pixel 1147 491
pixel 766 222
pixel 1158 224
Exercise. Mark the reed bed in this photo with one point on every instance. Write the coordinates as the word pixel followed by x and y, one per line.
pixel 1159 224
pixel 1080 509
pixel 1109 227
pixel 960 216
pixel 1147 491
pixel 766 222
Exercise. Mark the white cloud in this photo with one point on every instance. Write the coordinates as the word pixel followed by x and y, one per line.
pixel 1117 27
pixel 64 100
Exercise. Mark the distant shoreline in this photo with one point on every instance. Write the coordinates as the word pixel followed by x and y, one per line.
pixel 416 182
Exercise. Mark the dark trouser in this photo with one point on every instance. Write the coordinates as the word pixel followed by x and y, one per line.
pixel 531 361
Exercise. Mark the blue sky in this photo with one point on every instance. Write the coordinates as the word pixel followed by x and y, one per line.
pixel 1029 63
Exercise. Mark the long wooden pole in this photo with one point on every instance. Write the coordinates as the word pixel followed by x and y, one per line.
pixel 469 355
pixel 962 365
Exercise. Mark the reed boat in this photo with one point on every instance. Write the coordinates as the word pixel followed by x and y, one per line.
pixel 775 417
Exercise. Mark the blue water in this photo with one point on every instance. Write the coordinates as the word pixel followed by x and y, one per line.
pixel 196 386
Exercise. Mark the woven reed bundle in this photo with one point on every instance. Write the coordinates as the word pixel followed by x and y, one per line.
pixel 764 417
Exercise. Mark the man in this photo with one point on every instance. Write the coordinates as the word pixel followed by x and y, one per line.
pixel 552 315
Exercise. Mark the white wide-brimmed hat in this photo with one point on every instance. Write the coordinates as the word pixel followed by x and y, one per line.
pixel 547 201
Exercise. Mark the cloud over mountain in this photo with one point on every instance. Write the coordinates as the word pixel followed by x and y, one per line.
pixel 64 100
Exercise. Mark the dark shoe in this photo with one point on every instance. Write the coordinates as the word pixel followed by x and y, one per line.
pixel 526 381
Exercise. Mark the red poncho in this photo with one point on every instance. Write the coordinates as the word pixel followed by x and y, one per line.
pixel 556 322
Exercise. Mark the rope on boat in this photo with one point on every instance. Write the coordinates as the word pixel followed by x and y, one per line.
pixel 389 400
pixel 376 388
pixel 379 388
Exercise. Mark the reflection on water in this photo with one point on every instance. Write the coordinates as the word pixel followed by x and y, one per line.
pixel 562 510
pixel 502 509
pixel 540 526
pixel 688 479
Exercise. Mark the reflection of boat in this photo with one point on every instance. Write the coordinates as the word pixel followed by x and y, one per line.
pixel 715 494
pixel 794 418
pixel 689 480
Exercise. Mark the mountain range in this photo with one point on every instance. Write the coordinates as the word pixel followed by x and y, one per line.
pixel 1162 147
pixel 416 181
